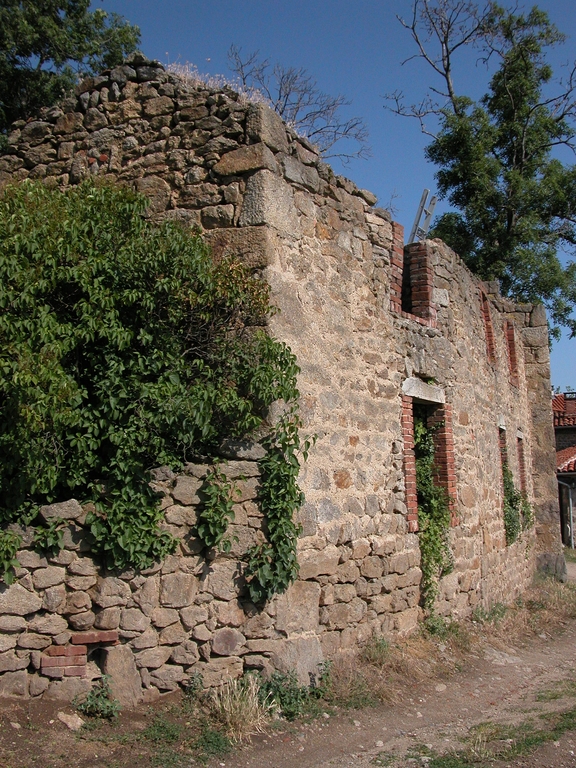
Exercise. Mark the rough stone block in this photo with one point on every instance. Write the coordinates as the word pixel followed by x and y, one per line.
pixel 268 200
pixel 297 609
pixel 223 580
pixel 154 657
pixel 186 490
pixel 178 590
pixel 244 159
pixel 227 641
pixel 133 620
pixel 167 677
pixel 111 591
pixel 18 601
pixel 313 563
pixel 14 684
pixel 342 615
pixel 219 671
pixel 118 662
pixel 48 625
pixel 263 124
pixel 302 655
pixel 157 191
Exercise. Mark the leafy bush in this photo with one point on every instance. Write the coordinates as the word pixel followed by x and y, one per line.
pixel 122 347
pixel 217 510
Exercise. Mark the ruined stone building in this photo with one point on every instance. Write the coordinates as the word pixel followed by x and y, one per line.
pixel 378 329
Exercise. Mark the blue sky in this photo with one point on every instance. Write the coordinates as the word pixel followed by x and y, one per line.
pixel 353 47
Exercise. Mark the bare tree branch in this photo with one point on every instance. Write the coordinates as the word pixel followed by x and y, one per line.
pixel 295 96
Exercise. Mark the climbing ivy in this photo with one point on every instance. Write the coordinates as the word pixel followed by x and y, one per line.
pixel 273 565
pixel 123 346
pixel 10 543
pixel 518 514
pixel 433 513
pixel 217 510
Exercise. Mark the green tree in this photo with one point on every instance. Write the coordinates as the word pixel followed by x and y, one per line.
pixel 515 201
pixel 46 45
pixel 122 347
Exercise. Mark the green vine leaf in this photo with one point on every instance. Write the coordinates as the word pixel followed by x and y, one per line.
pixel 273 566
pixel 518 514
pixel 10 543
pixel 217 510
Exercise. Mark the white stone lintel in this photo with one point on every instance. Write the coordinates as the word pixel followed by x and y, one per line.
pixel 417 388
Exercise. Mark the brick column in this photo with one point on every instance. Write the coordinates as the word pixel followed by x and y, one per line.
pixel 422 282
pixel 409 463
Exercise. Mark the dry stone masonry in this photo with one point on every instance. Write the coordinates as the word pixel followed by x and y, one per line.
pixel 377 329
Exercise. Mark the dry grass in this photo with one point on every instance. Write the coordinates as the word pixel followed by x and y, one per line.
pixel 237 708
pixel 380 672
pixel 544 608
pixel 196 79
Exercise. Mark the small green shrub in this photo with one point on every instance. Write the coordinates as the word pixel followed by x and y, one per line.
pixel 290 697
pixel 9 544
pixel 273 566
pixel 162 731
pixel 210 743
pixel 518 513
pixel 99 702
pixel 493 615
pixel 376 651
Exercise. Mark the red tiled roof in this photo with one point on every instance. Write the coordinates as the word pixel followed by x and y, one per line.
pixel 566 459
pixel 561 418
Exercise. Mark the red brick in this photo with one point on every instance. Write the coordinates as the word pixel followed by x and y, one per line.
pixel 66 650
pixel 62 661
pixel 55 672
pixel 75 671
pixel 94 636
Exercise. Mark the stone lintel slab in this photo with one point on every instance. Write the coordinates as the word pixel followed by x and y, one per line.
pixel 419 390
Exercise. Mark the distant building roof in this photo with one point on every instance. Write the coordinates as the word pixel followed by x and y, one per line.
pixel 564 407
pixel 566 459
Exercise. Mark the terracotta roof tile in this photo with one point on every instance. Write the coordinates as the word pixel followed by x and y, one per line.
pixel 566 459
pixel 560 408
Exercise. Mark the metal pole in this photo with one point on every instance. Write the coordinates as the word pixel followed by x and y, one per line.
pixel 418 216
pixel 571 508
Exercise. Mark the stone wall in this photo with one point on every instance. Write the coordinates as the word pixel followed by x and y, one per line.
pixel 337 269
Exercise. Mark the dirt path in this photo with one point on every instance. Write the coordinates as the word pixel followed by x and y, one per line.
pixel 500 687
pixel 516 686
